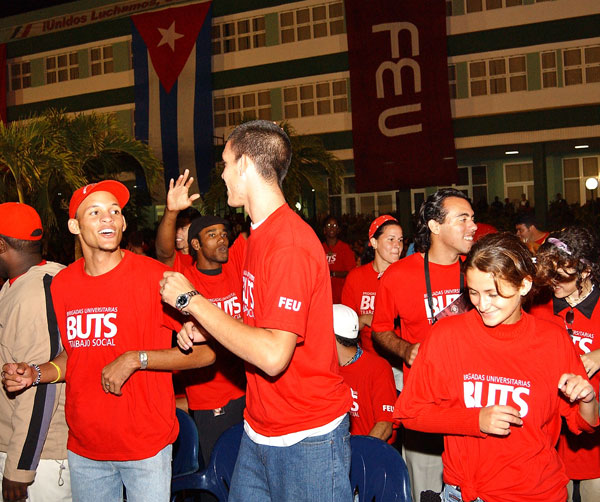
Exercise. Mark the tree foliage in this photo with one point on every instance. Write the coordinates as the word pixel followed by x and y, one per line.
pixel 45 158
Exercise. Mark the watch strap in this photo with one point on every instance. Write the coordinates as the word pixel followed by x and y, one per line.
pixel 143 359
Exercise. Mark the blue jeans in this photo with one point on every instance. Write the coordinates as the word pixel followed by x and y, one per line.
pixel 316 469
pixel 146 480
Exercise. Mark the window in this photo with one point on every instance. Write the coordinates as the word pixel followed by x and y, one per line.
pixel 311 22
pixel 498 76
pixel 518 180
pixel 581 65
pixel 575 172
pixel 349 202
pixel 231 110
pixel 472 181
pixel 20 75
pixel 549 75
pixel 62 68
pixel 239 35
pixel 101 60
pixel 478 5
pixel 322 98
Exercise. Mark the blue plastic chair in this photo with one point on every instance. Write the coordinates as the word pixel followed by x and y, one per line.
pixel 187 461
pixel 378 472
pixel 216 478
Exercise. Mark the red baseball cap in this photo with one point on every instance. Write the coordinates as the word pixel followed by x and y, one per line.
pixel 20 221
pixel 377 222
pixel 117 188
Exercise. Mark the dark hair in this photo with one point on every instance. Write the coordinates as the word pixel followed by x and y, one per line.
pixel 347 342
pixel 433 209
pixel 23 246
pixel 369 253
pixel 186 216
pixel 580 252
pixel 266 144
pixel 525 218
pixel 504 256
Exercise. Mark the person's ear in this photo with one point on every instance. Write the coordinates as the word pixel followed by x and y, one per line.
pixel 373 242
pixel 73 226
pixel 195 244
pixel 434 226
pixel 526 286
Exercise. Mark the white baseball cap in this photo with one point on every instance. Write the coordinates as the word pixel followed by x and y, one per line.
pixel 345 322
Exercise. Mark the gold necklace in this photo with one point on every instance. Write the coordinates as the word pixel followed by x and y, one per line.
pixel 572 303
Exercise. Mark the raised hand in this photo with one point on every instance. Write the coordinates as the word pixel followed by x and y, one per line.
pixel 178 197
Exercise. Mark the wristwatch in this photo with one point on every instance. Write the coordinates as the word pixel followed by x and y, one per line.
pixel 183 300
pixel 143 359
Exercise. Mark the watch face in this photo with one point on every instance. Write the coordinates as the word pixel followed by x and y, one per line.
pixel 182 301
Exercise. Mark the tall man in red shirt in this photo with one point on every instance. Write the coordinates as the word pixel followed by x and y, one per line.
pixel 114 329
pixel 296 442
pixel 416 289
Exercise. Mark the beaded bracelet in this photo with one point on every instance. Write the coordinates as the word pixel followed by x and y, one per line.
pixel 39 374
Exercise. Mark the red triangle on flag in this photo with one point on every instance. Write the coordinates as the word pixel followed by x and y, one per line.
pixel 170 35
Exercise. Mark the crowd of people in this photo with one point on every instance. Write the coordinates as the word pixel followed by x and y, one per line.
pixel 474 352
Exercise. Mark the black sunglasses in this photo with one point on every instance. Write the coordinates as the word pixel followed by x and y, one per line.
pixel 569 318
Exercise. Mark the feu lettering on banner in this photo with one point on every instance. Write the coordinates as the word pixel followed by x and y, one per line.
pixel 394 30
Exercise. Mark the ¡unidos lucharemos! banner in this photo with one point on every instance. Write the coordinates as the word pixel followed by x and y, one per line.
pixel 401 119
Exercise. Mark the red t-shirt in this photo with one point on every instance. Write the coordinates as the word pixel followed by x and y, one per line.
pixel 580 454
pixel 99 319
pixel 286 287
pixel 359 294
pixel 463 366
pixel 373 391
pixel 182 261
pixel 402 292
pixel 215 385
pixel 340 259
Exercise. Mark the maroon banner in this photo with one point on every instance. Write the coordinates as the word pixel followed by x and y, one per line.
pixel 401 120
pixel 3 87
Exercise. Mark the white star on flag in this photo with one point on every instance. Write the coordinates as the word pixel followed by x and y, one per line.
pixel 169 36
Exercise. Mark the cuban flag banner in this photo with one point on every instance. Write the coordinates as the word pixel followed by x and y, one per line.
pixel 173 88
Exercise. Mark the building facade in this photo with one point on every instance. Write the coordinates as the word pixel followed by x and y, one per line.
pixel 524 81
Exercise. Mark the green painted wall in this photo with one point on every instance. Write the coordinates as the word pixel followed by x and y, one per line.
pixel 125 120
pixel 272 29
pixel 462 80
pixel 276 104
pixel 458 7
pixel 495 174
pixel 533 71
pixel 121 57
pixel 38 75
pixel 83 59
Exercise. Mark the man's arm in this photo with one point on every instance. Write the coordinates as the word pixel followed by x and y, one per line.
pixel 381 430
pixel 177 200
pixel 19 376
pixel 270 350
pixel 392 343
pixel 115 374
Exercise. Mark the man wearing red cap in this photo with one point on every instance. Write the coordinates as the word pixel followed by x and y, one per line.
pixel 33 431
pixel 114 329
